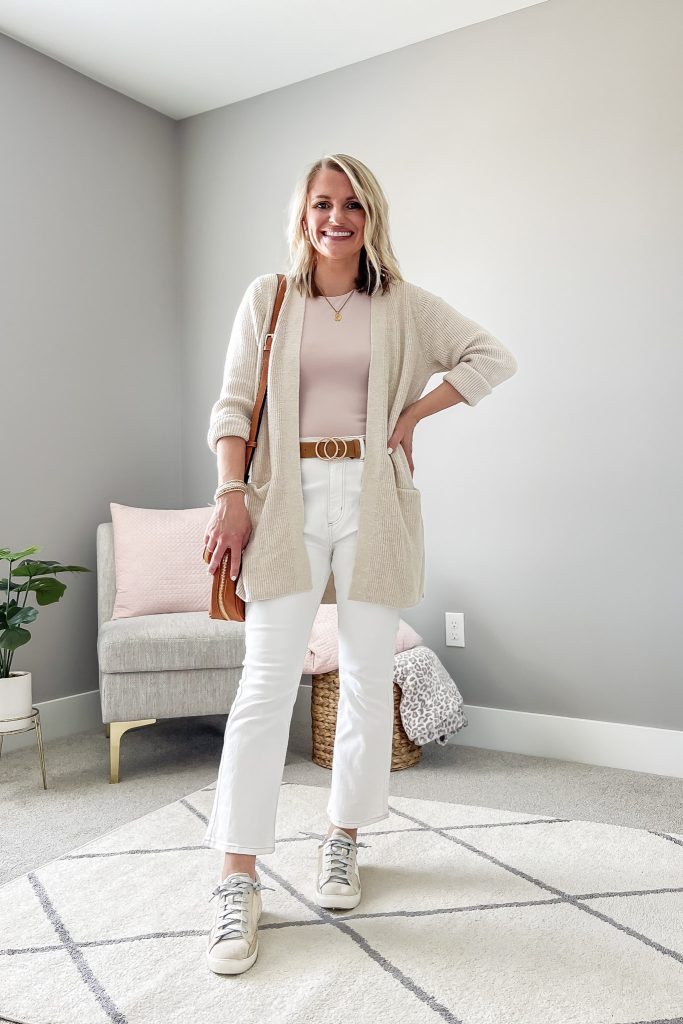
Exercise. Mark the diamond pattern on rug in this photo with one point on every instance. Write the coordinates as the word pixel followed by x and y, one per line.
pixel 469 915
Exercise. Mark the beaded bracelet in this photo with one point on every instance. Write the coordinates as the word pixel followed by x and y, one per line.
pixel 230 485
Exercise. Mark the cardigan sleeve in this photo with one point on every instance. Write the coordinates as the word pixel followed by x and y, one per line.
pixel 231 414
pixel 474 359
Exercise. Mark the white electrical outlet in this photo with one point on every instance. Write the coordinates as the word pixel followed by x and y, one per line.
pixel 455 629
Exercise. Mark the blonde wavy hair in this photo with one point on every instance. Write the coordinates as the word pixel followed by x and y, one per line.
pixel 377 265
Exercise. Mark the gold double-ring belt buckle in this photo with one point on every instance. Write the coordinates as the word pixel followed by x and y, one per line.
pixel 336 440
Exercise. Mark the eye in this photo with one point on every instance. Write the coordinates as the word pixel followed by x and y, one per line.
pixel 323 202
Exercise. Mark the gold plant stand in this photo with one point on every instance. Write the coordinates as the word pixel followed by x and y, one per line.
pixel 35 724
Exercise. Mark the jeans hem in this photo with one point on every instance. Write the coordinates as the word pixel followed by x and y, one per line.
pixel 220 844
pixel 358 824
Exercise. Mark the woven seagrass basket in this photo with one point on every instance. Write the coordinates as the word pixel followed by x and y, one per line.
pixel 324 704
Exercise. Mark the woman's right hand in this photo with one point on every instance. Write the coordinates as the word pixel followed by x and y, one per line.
pixel 228 528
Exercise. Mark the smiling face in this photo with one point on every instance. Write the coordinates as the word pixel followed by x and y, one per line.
pixel 334 217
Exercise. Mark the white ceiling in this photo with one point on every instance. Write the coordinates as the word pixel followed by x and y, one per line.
pixel 183 58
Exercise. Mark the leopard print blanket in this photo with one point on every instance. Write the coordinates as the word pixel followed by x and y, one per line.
pixel 430 705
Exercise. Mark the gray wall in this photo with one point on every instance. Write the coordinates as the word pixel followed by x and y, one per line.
pixel 90 366
pixel 533 166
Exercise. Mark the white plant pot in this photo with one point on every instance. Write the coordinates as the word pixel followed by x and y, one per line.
pixel 16 699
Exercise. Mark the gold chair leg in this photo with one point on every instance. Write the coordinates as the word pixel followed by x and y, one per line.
pixel 116 731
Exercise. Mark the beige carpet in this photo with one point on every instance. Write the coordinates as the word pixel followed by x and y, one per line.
pixel 469 914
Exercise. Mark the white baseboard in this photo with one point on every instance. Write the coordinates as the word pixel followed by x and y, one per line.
pixel 636 748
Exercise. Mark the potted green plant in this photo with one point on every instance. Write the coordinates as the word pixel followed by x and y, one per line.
pixel 36 576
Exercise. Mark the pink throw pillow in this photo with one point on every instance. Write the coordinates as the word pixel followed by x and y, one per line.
pixel 323 646
pixel 158 559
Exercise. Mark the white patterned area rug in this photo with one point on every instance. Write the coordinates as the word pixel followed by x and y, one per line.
pixel 469 915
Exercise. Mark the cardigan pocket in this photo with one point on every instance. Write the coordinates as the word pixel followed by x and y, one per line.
pixel 404 479
pixel 254 500
pixel 411 549
pixel 410 505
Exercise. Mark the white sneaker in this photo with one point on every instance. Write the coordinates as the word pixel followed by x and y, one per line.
pixel 233 941
pixel 338 881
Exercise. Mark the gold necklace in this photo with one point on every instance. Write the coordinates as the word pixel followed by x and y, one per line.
pixel 337 312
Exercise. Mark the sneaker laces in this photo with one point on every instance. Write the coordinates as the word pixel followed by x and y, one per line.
pixel 231 919
pixel 336 855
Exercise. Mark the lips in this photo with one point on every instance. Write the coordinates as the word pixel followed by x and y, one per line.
pixel 345 234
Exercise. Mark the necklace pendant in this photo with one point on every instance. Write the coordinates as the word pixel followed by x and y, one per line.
pixel 337 316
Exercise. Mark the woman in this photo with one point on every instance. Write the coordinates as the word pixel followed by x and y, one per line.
pixel 330 514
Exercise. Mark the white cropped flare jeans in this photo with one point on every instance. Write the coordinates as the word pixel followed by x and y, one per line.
pixel 277 632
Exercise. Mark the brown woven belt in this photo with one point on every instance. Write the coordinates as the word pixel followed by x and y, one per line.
pixel 333 448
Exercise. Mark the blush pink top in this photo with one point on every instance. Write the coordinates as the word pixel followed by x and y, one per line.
pixel 334 366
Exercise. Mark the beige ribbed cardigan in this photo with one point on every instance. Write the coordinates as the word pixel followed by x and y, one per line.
pixel 414 334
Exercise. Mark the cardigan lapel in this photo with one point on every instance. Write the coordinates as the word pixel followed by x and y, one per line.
pixel 283 388
pixel 376 417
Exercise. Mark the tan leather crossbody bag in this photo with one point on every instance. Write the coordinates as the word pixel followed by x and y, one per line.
pixel 225 603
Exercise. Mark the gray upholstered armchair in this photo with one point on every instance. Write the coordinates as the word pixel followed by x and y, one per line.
pixel 159 666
